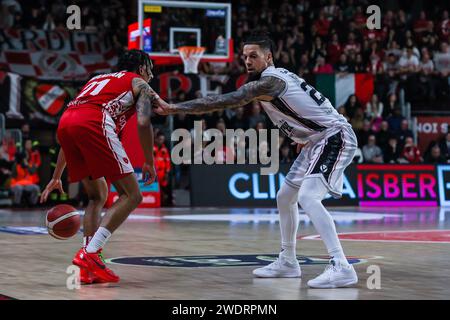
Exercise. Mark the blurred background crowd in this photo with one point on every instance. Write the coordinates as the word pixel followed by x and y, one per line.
pixel 409 56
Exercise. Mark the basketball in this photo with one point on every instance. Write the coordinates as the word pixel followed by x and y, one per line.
pixel 62 221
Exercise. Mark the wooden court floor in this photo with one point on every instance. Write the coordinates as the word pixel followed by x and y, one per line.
pixel 209 253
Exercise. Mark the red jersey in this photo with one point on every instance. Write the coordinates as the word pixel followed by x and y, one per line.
pixel 111 93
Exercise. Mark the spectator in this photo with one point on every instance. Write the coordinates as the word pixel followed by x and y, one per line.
pixel 410 152
pixel 260 125
pixel 221 126
pixel 371 152
pixel 421 24
pixel 360 18
pixel 285 61
pixel 351 105
pixel 304 68
pixel 285 154
pixel 343 66
pixel 317 49
pixel 390 71
pixel 393 48
pixel 352 44
pixel 215 117
pixel 22 181
pixel 26 131
pixel 359 66
pixel 334 49
pixel 358 120
pixel 442 64
pixel 404 132
pixel 299 47
pixel 34 159
pixel 163 166
pixel 428 39
pixel 10 10
pixel 426 81
pixel 256 115
pixel 322 24
pixel 391 105
pixel 383 135
pixel 182 120
pixel 341 110
pixel 331 10
pixel 5 166
pixel 445 145
pixel 388 19
pixel 409 66
pixel 322 67
pixel 238 121
pixel 435 156
pixel 375 64
pixel 392 151
pixel 395 121
pixel 374 112
pixel 444 25
pixel 400 25
pixel 364 134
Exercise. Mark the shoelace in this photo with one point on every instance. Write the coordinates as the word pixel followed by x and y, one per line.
pixel 330 268
pixel 100 254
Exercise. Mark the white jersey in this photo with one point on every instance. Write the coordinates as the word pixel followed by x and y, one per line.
pixel 300 111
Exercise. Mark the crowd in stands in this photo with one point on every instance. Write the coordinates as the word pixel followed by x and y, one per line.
pixel 19 168
pixel 411 52
pixel 105 17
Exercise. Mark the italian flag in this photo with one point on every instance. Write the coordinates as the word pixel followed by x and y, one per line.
pixel 337 88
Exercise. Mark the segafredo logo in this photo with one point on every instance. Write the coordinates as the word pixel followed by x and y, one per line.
pixel 214 261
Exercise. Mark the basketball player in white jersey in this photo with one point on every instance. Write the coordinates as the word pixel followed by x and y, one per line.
pixel 306 117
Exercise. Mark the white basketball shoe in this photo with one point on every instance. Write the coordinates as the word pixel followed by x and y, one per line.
pixel 280 268
pixel 336 275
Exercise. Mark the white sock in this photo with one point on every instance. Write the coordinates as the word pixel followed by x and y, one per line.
pixel 86 240
pixel 288 210
pixel 312 191
pixel 98 240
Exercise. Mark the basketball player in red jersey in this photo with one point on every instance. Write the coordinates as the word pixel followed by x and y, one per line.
pixel 90 146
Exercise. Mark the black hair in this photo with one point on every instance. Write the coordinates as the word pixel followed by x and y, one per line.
pixel 131 60
pixel 261 39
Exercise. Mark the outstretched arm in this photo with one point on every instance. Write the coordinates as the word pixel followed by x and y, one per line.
pixel 265 88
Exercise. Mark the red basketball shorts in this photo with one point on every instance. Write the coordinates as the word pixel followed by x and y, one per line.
pixel 91 145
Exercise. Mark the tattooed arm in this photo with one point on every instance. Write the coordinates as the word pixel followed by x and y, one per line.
pixel 145 96
pixel 265 88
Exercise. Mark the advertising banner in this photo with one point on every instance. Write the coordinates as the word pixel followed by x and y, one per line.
pixel 443 175
pixel 397 185
pixel 431 129
pixel 383 185
pixel 243 186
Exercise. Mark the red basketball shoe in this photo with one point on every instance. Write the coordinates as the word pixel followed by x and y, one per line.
pixel 94 264
pixel 86 277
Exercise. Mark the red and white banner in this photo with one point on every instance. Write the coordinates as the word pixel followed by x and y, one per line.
pixel 56 54
pixel 431 129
